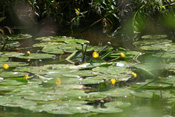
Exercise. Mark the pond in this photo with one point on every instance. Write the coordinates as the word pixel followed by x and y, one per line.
pixel 69 77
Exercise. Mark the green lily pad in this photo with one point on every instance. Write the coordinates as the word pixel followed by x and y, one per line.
pixel 20 36
pixel 70 47
pixel 37 56
pixel 13 64
pixel 113 70
pixel 52 49
pixel 64 107
pixel 54 39
pixel 2 59
pixel 42 44
pixel 153 85
pixel 16 101
pixel 41 97
pixel 168 55
pixel 11 82
pixel 151 93
pixel 152 42
pixel 128 54
pixel 12 54
pixel 44 38
pixel 107 110
pixel 92 80
pixel 74 41
pixel 149 70
pixel 154 36
pixel 155 47
pixel 8 87
pixel 118 92
pixel 9 74
pixel 119 104
pixel 12 44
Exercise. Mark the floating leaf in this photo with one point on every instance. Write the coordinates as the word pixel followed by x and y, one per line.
pixel 37 56
pixel 69 47
pixel 74 41
pixel 154 36
pixel 12 54
pixel 107 110
pixel 119 104
pixel 11 82
pixel 14 64
pixel 153 85
pixel 52 49
pixel 9 74
pixel 2 59
pixel 19 36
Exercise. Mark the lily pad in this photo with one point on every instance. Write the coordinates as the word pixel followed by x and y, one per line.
pixel 118 92
pixel 74 41
pixel 3 59
pixel 52 49
pixel 54 39
pixel 150 93
pixel 113 70
pixel 44 38
pixel 12 54
pixel 37 56
pixel 119 104
pixel 42 44
pixel 16 101
pixel 168 55
pixel 107 110
pixel 69 47
pixel 14 64
pixel 12 44
pixel 154 36
pixel 20 36
pixel 153 85
pixel 11 82
pixel 9 74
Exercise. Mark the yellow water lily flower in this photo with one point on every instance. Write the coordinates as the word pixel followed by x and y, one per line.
pixel 122 55
pixel 26 76
pixel 5 66
pixel 58 81
pixel 160 85
pixel 28 60
pixel 134 74
pixel 28 53
pixel 113 81
pixel 159 78
pixel 95 54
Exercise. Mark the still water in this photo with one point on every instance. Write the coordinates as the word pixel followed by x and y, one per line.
pixel 140 105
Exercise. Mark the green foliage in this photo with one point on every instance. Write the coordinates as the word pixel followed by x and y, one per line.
pixel 149 14
pixel 114 16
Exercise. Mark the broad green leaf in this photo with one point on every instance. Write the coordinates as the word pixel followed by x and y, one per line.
pixel 37 56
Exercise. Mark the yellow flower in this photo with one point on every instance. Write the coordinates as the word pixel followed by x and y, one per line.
pixel 26 76
pixel 95 54
pixel 113 81
pixel 58 81
pixel 134 74
pixel 160 85
pixel 122 55
pixel 27 53
pixel 5 66
pixel 159 78
pixel 28 60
